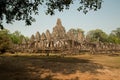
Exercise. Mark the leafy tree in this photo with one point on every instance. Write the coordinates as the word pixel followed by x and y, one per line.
pixel 5 41
pixel 97 35
pixel 17 37
pixel 116 32
pixel 113 39
pixel 114 36
pixel 12 10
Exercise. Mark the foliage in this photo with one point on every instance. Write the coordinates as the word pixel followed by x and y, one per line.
pixel 5 42
pixel 12 10
pixel 84 5
pixel 18 10
pixel 8 39
pixel 97 35
pixel 1 26
pixel 16 37
pixel 114 36
pixel 116 32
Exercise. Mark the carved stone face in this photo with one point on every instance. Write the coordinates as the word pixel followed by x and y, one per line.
pixel 58 31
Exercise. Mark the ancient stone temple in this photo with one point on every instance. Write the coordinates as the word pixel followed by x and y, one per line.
pixel 75 34
pixel 43 37
pixel 58 40
pixel 59 31
pixel 80 35
pixel 23 45
pixel 37 36
pixel 48 35
pixel 32 39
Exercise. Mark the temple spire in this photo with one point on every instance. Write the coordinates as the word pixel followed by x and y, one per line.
pixel 58 22
pixel 58 31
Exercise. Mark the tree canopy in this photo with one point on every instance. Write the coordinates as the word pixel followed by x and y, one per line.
pixel 114 36
pixel 5 41
pixel 12 10
pixel 97 35
pixel 16 37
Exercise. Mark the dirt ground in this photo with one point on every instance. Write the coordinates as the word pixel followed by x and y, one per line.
pixel 80 67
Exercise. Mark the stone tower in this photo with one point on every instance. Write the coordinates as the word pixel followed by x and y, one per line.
pixel 37 36
pixel 58 31
pixel 48 35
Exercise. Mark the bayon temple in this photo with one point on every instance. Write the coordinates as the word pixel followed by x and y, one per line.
pixel 60 41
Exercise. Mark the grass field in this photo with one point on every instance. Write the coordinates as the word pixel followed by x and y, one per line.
pixel 24 66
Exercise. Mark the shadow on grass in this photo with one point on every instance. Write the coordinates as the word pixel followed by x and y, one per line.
pixel 14 68
pixel 66 65
pixel 22 67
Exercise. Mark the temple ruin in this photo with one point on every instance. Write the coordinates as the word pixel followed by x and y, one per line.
pixel 60 41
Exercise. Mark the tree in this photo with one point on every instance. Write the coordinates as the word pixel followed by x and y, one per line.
pixel 12 10
pixel 97 35
pixel 5 41
pixel 16 37
pixel 114 36
pixel 116 32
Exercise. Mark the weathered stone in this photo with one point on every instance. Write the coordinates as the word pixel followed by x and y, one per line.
pixel 70 34
pixel 43 36
pixel 37 36
pixel 48 35
pixel 32 39
pixel 59 31
pixel 80 36
pixel 24 41
pixel 73 42
pixel 32 42
pixel 75 34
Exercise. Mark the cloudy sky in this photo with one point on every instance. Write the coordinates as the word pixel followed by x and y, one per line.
pixel 107 19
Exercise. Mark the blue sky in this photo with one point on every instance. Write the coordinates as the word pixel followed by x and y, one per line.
pixel 107 19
